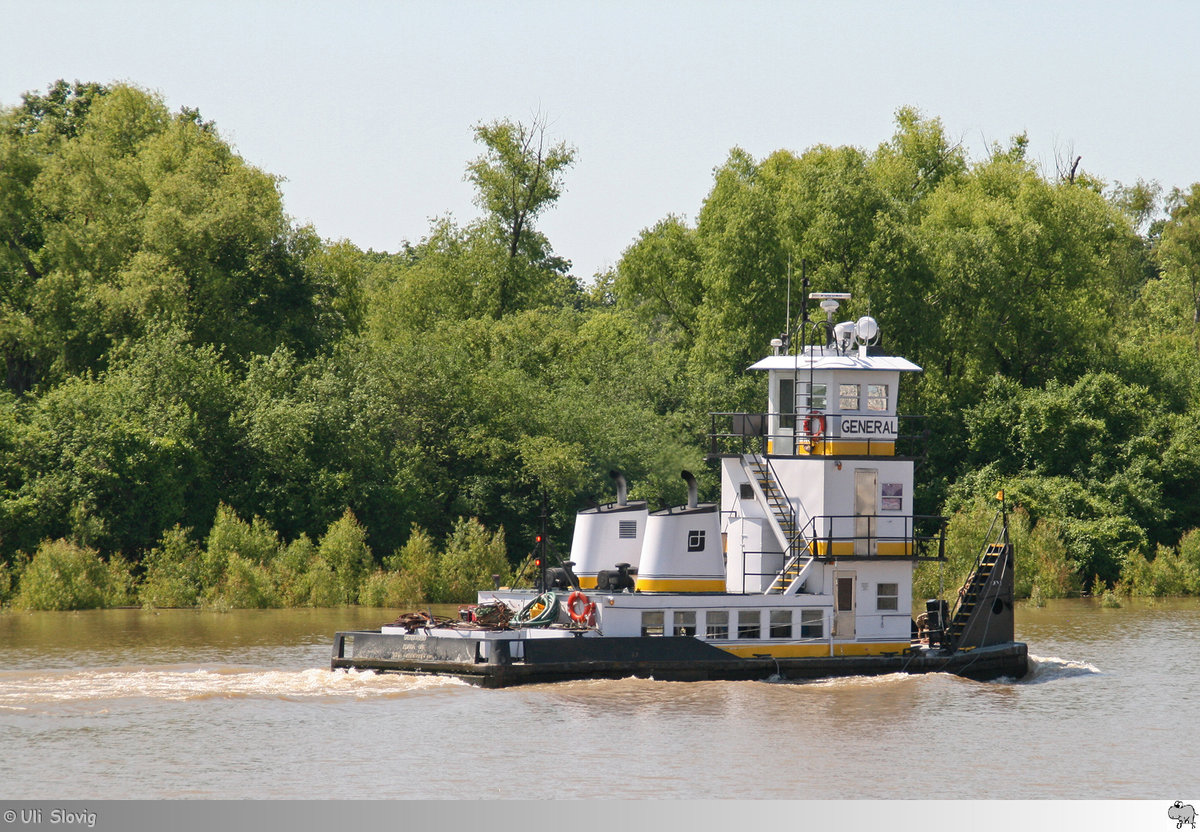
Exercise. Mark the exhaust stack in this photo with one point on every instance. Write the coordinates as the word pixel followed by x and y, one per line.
pixel 692 490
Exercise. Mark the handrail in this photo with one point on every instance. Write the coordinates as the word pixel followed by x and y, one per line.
pixel 908 534
pixel 744 433
pixel 987 544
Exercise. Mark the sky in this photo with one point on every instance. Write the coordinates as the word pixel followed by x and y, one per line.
pixel 365 110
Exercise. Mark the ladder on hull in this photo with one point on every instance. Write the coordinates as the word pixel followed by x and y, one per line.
pixel 987 587
pixel 798 553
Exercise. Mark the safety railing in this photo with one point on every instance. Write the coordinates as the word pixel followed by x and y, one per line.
pixel 820 432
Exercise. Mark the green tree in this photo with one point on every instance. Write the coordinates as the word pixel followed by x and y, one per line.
pixel 517 178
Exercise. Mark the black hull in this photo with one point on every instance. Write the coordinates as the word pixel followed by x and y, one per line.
pixel 675 659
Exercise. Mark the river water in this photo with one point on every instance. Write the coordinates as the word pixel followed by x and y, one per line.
pixel 186 704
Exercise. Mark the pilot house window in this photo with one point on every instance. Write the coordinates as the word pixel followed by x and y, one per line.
pixel 814 399
pixel 696 540
pixel 847 397
pixel 877 398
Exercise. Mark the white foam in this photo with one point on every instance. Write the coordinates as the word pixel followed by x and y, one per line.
pixel 1049 668
pixel 176 683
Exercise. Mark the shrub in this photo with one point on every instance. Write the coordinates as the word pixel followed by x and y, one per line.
pixel 173 570
pixel 472 556
pixel 344 549
pixel 63 576
pixel 243 585
pixel 1171 572
pixel 384 589
pixel 8 577
pixel 290 572
pixel 1044 558
pixel 236 564
pixel 419 565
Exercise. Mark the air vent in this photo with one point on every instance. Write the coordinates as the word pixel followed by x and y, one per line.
pixel 627 529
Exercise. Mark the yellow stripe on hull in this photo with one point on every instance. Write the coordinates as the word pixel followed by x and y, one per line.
pixel 680 585
pixel 815 649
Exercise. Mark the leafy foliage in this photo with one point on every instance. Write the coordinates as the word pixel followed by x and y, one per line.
pixel 179 355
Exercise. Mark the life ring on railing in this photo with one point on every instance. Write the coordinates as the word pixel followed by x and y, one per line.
pixel 814 426
pixel 580 608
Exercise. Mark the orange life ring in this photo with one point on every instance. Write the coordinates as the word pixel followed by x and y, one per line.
pixel 814 425
pixel 578 607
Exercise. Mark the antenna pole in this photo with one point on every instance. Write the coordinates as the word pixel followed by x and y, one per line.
pixel 787 315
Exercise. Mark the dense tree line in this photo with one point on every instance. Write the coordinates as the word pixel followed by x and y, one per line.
pixel 204 403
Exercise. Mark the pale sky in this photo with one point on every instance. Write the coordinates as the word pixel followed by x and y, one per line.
pixel 365 109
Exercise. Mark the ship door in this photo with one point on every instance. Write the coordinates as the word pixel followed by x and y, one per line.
pixel 866 487
pixel 843 607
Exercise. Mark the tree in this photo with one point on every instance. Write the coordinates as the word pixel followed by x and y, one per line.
pixel 516 179
pixel 115 213
pixel 1179 246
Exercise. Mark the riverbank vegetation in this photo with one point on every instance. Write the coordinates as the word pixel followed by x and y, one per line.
pixel 206 404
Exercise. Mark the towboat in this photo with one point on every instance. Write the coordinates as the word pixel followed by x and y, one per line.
pixel 802 570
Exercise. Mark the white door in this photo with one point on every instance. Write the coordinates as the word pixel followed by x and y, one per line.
pixel 843 605
pixel 866 487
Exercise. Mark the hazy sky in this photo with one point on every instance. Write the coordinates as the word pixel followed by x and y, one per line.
pixel 365 108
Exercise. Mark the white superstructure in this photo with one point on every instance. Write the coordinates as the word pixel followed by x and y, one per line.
pixel 811 547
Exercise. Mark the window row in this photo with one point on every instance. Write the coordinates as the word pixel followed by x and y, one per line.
pixel 740 624
pixel 797 397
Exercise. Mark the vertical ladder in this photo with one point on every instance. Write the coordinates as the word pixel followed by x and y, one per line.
pixel 797 551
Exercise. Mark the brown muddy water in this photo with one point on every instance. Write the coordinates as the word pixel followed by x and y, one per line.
pixel 185 704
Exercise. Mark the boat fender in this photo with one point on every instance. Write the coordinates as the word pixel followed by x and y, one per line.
pixel 581 609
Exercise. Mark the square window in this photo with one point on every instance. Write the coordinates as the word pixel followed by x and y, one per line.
pixel 749 624
pixel 652 623
pixel 877 398
pixel 848 397
pixel 685 622
pixel 627 529
pixel 716 624
pixel 887 597
pixel 813 399
pixel 812 624
pixel 781 623
pixel 696 540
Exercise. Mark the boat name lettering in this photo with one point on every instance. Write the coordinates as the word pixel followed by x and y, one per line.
pixel 868 426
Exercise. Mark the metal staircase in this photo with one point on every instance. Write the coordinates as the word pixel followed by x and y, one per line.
pixel 975 588
pixel 797 550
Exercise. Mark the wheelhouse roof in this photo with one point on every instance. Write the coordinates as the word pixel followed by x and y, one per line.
pixel 835 361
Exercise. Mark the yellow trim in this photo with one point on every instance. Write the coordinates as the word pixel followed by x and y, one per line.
pixel 815 649
pixel 845 548
pixel 680 584
pixel 842 447
pixel 587 581
pixel 770 446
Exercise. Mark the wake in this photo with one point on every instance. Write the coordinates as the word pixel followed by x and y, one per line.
pixel 19 690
